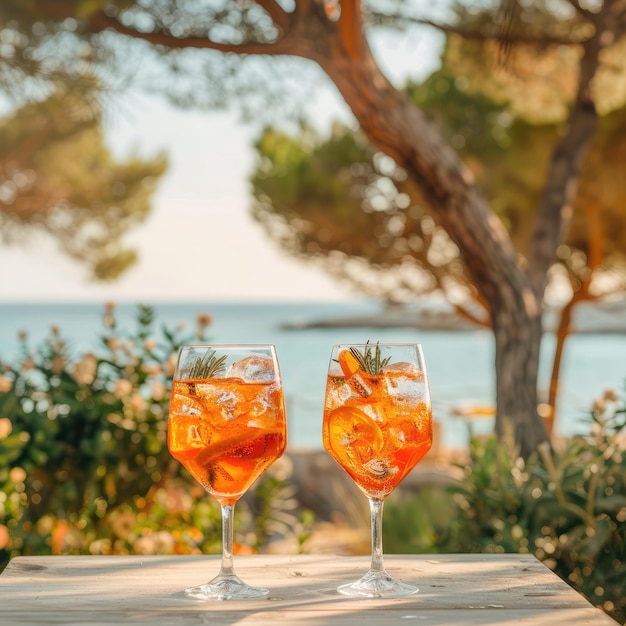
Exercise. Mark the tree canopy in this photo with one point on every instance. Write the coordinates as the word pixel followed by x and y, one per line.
pixel 338 199
pixel 57 175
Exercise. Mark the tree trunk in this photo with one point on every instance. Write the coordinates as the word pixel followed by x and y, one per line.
pixel 402 131
pixel 583 293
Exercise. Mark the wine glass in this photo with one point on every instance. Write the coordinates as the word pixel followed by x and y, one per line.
pixel 377 426
pixel 227 426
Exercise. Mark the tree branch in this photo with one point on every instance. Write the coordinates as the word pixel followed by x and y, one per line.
pixel 279 16
pixel 100 22
pixel 495 35
pixel 350 27
pixel 555 209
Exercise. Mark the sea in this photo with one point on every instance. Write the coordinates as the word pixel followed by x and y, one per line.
pixel 460 363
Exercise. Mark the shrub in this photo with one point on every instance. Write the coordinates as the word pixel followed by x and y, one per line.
pixel 568 508
pixel 84 465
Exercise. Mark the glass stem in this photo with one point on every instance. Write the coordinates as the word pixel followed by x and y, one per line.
pixel 376 512
pixel 227 568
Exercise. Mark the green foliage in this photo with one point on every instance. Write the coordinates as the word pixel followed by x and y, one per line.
pixel 339 201
pixel 508 155
pixel 411 524
pixel 57 176
pixel 568 508
pixel 273 509
pixel 84 465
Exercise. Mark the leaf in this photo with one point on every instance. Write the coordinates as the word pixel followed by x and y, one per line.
pixel 591 546
pixel 11 448
pixel 610 504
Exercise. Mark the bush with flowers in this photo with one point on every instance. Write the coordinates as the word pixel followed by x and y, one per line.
pixel 84 465
pixel 566 506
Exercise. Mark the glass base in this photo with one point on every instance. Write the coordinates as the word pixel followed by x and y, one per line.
pixel 377 585
pixel 225 588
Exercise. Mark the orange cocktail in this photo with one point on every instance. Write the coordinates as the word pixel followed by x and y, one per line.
pixel 377 425
pixel 227 425
pixel 226 432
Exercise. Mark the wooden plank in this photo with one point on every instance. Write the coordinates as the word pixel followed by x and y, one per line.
pixel 454 589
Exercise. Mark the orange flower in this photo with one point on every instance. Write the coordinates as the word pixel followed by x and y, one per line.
pixel 58 363
pixel 84 371
pixel 150 344
pixel 195 534
pixel 112 343
pixel 123 388
pixel 123 523
pixel 241 549
pixel 158 391
pixel 4 536
pixel 6 384
pixel 6 426
pixel 58 536
pixel 137 403
pixel 204 320
pixel 152 369
pixel 17 475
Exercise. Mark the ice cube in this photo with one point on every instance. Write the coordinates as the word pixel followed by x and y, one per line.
pixel 404 379
pixel 185 405
pixel 359 385
pixel 403 367
pixel 253 369
pixel 381 468
pixel 373 411
pixel 338 392
pixel 198 435
pixel 227 403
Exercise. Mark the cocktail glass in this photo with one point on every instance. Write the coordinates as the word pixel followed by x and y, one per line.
pixel 226 426
pixel 377 427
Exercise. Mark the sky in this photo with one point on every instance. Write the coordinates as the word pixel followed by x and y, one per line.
pixel 199 242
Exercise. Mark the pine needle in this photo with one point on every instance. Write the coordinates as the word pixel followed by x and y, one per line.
pixel 369 360
pixel 207 366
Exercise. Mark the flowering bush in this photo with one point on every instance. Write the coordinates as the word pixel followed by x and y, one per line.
pixel 84 465
pixel 568 508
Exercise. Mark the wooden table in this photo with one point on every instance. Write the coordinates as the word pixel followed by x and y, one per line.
pixel 475 590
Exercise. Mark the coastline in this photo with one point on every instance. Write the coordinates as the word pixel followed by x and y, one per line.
pixel 602 317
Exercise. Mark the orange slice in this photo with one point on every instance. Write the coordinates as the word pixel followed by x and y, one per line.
pixel 348 363
pixel 253 442
pixel 351 427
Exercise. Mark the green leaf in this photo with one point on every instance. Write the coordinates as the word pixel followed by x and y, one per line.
pixel 601 533
pixel 610 504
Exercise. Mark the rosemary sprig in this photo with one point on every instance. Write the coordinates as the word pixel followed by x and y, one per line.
pixel 207 366
pixel 369 360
